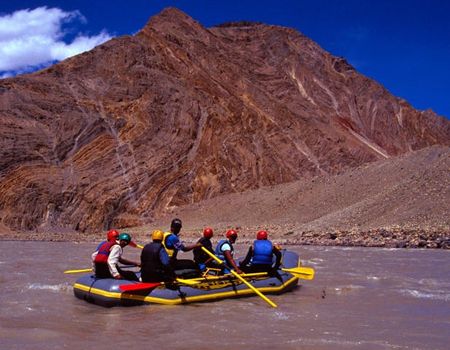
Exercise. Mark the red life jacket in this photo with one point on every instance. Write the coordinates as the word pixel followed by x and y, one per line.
pixel 103 252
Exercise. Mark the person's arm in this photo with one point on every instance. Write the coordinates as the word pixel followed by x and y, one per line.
pixel 247 257
pixel 165 260
pixel 128 262
pixel 113 260
pixel 277 253
pixel 185 248
pixel 191 246
pixel 94 254
pixel 230 261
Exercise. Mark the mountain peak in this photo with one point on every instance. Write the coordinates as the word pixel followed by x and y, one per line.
pixel 168 19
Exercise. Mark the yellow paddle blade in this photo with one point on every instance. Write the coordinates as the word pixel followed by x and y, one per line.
pixel 306 273
pixel 78 271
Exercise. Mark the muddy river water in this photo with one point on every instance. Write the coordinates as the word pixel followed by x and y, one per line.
pixel 361 298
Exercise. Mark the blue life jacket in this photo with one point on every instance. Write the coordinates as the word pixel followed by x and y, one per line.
pixel 262 252
pixel 219 252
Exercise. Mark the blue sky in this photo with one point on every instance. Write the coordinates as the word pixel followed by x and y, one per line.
pixel 403 44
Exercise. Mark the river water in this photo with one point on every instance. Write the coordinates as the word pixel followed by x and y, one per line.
pixel 361 298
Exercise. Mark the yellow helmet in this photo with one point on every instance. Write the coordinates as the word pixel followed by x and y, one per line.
pixel 157 235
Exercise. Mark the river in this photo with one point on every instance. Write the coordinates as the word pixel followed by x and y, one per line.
pixel 361 298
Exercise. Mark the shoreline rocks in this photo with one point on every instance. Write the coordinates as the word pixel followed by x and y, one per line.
pixel 397 237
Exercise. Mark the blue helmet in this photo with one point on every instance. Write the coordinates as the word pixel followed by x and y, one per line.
pixel 125 237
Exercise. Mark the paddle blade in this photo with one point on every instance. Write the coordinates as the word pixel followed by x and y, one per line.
pixel 305 273
pixel 78 271
pixel 138 286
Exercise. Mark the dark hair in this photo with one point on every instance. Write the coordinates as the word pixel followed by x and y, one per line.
pixel 176 223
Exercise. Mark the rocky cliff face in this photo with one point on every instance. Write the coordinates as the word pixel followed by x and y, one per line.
pixel 179 113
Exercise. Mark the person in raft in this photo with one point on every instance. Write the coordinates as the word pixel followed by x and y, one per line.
pixel 173 245
pixel 108 256
pixel 260 255
pixel 200 257
pixel 224 251
pixel 155 263
pixel 111 236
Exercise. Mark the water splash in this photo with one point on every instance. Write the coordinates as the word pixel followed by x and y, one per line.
pixel 373 278
pixel 279 315
pixel 437 295
pixel 347 289
pixel 63 287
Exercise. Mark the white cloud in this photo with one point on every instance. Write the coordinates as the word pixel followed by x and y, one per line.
pixel 34 38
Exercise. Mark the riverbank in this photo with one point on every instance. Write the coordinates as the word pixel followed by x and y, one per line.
pixel 392 237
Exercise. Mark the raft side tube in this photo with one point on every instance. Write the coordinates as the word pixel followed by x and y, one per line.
pixel 106 292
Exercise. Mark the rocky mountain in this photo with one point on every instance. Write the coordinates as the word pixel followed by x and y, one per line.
pixel 398 202
pixel 179 113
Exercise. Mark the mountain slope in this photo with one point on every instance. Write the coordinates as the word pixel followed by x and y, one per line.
pixel 402 200
pixel 179 113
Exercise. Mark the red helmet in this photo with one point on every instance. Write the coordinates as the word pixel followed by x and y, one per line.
pixel 112 235
pixel 208 232
pixel 261 235
pixel 231 234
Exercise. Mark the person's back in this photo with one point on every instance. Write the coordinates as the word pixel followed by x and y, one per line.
pixel 100 259
pixel 262 252
pixel 200 257
pixel 259 257
pixel 155 266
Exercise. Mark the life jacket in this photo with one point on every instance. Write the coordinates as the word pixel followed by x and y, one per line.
pixel 170 250
pixel 262 252
pixel 99 245
pixel 103 252
pixel 219 253
pixel 150 260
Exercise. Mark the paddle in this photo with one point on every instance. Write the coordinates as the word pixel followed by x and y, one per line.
pixel 135 245
pixel 78 271
pixel 267 300
pixel 306 273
